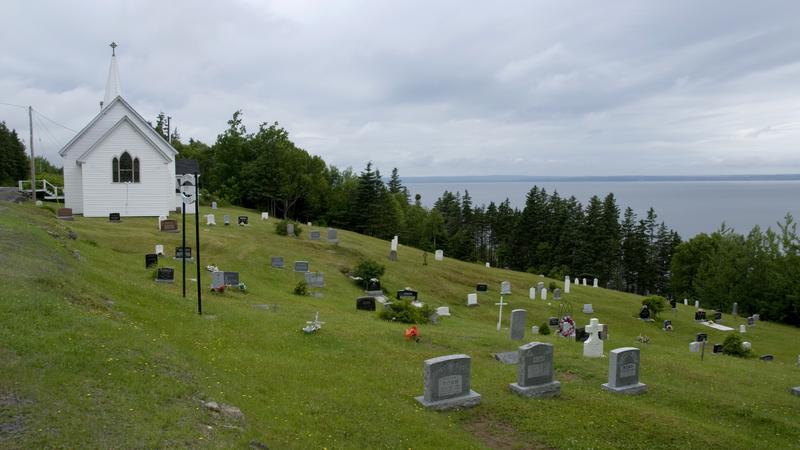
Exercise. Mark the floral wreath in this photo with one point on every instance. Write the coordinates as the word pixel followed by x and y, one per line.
pixel 566 326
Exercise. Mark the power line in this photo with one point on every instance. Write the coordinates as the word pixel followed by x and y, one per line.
pixel 11 104
pixel 53 121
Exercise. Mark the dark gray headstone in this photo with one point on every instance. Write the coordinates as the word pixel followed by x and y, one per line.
pixel 518 324
pixel 365 303
pixel 183 252
pixel 301 266
pixel 243 220
pixel 482 287
pixel 700 316
pixel 407 294
pixel 165 275
pixel 315 235
pixel 373 285
pixel 65 214
pixel 276 262
pixel 170 225
pixel 217 280
pixel 231 278
pixel 556 294
pixel 535 371
pixel 226 219
pixel 447 383
pixel 667 323
pixel 290 229
pixel 717 348
pixel 751 321
pixel 717 316
pixel 581 335
pixel 603 332
pixel 114 217
pixel 766 357
pixel 333 235
pixel 315 279
pixel 150 260
pixel 623 371
pixel 701 337
pixel 552 322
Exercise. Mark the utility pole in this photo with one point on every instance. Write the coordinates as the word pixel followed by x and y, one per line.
pixel 169 132
pixel 33 160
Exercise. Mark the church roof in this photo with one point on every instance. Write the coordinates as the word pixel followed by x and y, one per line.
pixel 184 166
pixel 125 119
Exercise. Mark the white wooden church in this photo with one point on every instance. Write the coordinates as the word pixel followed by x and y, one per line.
pixel 119 164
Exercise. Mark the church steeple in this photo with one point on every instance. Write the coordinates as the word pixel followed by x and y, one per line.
pixel 112 84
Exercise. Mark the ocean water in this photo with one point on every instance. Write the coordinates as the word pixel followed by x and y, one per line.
pixel 688 207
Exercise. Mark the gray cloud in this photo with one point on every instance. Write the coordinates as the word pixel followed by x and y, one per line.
pixel 547 88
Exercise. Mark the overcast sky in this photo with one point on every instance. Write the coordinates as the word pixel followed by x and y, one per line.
pixel 433 88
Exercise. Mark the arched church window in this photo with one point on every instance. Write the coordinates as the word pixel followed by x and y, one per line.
pixel 125 168
pixel 135 170
pixel 115 170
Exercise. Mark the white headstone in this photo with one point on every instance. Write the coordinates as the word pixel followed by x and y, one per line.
pixel 500 314
pixel 534 329
pixel 566 284
pixel 213 205
pixel 587 309
pixel 594 284
pixel 532 293
pixel 394 244
pixel 472 299
pixel 439 255
pixel 443 311
pixel 159 249
pixel 593 347
pixel 747 345
pixel 742 328
pixel 686 302
pixel 488 265
pixel 694 346
pixel 264 215
pixel 697 303
pixel 576 282
pixel 308 224
pixel 161 219
pixel 544 293
pixel 584 281
pixel 210 219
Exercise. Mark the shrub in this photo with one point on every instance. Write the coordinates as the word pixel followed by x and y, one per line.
pixel 403 311
pixel 656 304
pixel 301 288
pixel 544 328
pixel 732 345
pixel 280 228
pixel 552 286
pixel 367 269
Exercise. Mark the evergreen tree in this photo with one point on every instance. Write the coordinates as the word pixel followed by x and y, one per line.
pixel 14 163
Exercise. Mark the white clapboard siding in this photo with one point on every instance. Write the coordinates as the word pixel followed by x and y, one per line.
pixel 152 196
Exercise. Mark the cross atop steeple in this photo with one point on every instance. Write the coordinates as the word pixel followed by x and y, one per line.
pixel 113 46
pixel 113 89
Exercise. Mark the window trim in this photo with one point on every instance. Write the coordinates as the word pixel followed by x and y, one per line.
pixel 125 175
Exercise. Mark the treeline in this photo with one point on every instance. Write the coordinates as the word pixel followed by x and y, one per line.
pixel 759 271
pixel 14 163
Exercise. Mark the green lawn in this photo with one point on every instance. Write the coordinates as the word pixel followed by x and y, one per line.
pixel 95 354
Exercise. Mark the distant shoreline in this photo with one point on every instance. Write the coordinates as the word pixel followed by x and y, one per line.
pixel 623 178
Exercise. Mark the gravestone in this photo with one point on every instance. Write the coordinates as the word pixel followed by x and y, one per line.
pixel 796 391
pixel 505 288
pixel 552 322
pixel 742 328
pixel 518 325
pixel 165 275
pixel 65 214
pixel 583 281
pixel 169 225
pixel 243 220
pixel 210 219
pixel 544 293
pixel 697 304
pixel 264 216
pixel 301 266
pixel 407 294
pixel 580 334
pixel 276 262
pixel 374 285
pixel 308 224
pixel 566 284
pixel 482 287
pixel 766 358
pixel 231 278
pixel 443 311
pixel 694 347
pixel 623 372
pixel 150 260
pixel 604 331
pixel 700 316
pixel 447 383
pixel 535 372
pixel 114 217
pixel 747 346
pixel 439 255
pixel 532 293
pixel 594 283
pixel 315 235
pixel 644 313
pixel 593 347
pixel 488 265
pixel 315 279
pixel 717 316
pixel 556 294
pixel 333 235
pixel 394 243
pixel 735 309
pixel 161 219
pixel 667 325
pixel 535 329
pixel 159 250
pixel 673 303
pixel 700 337
pixel 540 286
pixel 213 205
pixel 576 282
pixel 290 229
pixel 588 309
pixel 686 302
pixel 756 317
pixel 750 321
pixel 183 253
pixel 226 219
pixel 717 348
pixel 472 299
pixel 365 303
pixel 217 280
pixel 392 255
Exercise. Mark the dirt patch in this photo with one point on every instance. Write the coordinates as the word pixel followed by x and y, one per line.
pixel 567 376
pixel 502 435
pixel 12 420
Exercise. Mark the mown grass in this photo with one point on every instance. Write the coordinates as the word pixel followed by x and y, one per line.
pixel 94 354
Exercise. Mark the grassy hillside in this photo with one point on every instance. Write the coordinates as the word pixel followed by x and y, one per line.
pixel 94 354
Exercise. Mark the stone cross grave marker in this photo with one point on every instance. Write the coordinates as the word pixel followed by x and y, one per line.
pixel 623 371
pixel 365 303
pixel 301 266
pixel 315 235
pixel 518 318
pixel 165 275
pixel 566 284
pixel 447 383
pixel 439 255
pixel 535 372
pixel 505 288
pixel 472 299
pixel 150 260
pixel 500 315
pixel 593 347
pixel 276 262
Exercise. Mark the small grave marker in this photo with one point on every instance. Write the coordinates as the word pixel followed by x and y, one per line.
pixel 211 219
pixel 447 383
pixel 566 284
pixel 365 303
pixel 264 215
pixel 183 253
pixel 700 316
pixel 482 287
pixel 623 371
pixel 290 229
pixel 213 205
pixel 505 288
pixel 169 225
pixel 159 249
pixel 65 214
pixel 243 220
pixel 588 309
pixel 407 294
pixel 333 235
pixel 556 294
pixel 150 260
pixel 165 275
pixel 500 315
pixel 301 266
pixel 315 235
pixel 439 255
pixel 532 293
pixel 114 217
pixel 276 262
pixel 472 299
